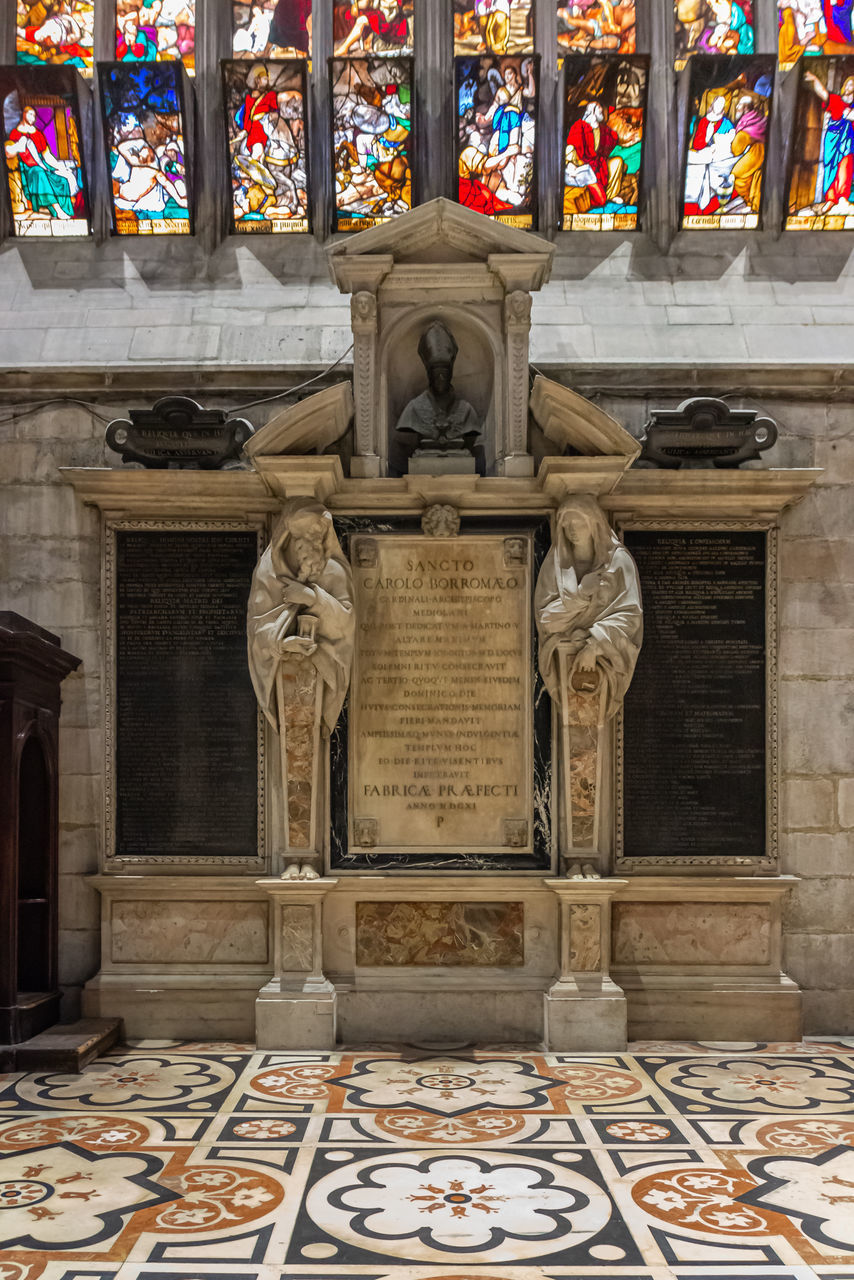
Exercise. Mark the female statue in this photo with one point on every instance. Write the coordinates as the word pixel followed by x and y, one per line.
pixel 588 599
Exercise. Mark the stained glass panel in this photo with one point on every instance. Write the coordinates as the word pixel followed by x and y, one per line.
pixel 493 26
pixel 146 140
pixel 373 27
pixel 729 109
pixel 820 188
pixel 156 31
pixel 371 128
pixel 57 32
pixel 603 142
pixel 265 123
pixel 596 26
pixel 496 141
pixel 814 27
pixel 713 27
pixel 271 28
pixel 43 146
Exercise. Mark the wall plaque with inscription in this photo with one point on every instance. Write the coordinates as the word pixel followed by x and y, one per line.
pixel 694 730
pixel 185 714
pixel 441 720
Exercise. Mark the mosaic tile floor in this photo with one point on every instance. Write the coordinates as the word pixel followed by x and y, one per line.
pixel 215 1162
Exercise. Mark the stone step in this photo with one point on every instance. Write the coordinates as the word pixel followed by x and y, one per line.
pixel 64 1048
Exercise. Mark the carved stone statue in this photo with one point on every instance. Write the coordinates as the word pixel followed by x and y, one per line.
pixel 301 629
pixel 589 618
pixel 588 599
pixel 439 419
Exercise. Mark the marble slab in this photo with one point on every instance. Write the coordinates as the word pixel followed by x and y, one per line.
pixel 441 720
pixel 440 933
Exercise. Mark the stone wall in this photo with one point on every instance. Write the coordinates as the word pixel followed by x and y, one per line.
pixel 768 320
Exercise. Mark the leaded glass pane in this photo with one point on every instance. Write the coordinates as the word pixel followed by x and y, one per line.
pixel 265 123
pixel 713 27
pixel 596 26
pixel 156 31
pixel 814 27
pixel 371 140
pixel 820 189
pixel 55 33
pixel 496 140
pixel 373 27
pixel 145 134
pixel 603 142
pixel 729 109
pixel 493 26
pixel 271 28
pixel 43 145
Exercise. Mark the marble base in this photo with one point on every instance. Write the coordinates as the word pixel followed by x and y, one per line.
pixel 177 1006
pixel 585 1015
pixel 717 1009
pixel 440 1017
pixel 287 1019
pixel 442 464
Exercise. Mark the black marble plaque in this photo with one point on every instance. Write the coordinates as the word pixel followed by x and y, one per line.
pixel 186 715
pixel 694 728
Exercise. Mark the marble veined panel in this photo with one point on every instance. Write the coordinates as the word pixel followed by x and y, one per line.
pixel 440 933
pixel 169 932
pixel 691 933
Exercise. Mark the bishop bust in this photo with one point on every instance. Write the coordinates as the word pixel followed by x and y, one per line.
pixel 439 419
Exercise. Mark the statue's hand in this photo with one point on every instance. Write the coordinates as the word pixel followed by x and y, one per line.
pixel 298 593
pixel 300 645
pixel 586 660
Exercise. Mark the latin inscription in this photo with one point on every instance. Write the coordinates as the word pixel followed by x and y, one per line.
pixel 186 715
pixel 441 726
pixel 694 720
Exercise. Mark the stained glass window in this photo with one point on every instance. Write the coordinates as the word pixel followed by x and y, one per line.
pixel 496 141
pixel 372 26
pixel 729 108
pixel 814 27
pixel 713 27
pixel 493 26
pixel 596 26
pixel 57 32
pixel 371 136
pixel 43 146
pixel 145 134
pixel 271 28
pixel 603 142
pixel 156 31
pixel 820 189
pixel 265 123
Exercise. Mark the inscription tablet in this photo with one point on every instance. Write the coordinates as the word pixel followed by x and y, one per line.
pixel 694 719
pixel 186 717
pixel 441 720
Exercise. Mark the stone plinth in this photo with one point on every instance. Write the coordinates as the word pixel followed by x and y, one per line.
pixel 297 1008
pixel 584 1009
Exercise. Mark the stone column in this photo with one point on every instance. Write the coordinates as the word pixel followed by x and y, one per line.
pixel 584 1009
pixel 365 463
pixel 582 757
pixel 516 460
pixel 299 693
pixel 297 1007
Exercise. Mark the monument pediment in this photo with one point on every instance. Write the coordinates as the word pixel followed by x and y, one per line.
pixel 441 232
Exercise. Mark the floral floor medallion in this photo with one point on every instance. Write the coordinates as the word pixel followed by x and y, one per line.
pixel 199 1161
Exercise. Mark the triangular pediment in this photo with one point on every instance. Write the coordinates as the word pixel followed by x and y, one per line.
pixel 441 231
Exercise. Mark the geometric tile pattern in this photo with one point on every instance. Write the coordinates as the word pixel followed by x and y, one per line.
pixel 167 1160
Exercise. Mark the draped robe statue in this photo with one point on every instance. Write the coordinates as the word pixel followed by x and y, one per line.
pixel 300 630
pixel 589 618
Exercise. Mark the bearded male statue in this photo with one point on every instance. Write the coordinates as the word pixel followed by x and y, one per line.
pixel 300 630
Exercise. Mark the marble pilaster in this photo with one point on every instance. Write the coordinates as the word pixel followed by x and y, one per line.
pixel 584 1009
pixel 297 1007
